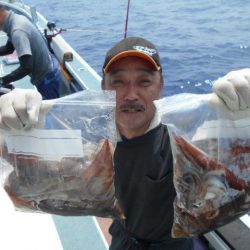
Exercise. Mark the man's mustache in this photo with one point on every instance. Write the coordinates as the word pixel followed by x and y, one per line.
pixel 132 106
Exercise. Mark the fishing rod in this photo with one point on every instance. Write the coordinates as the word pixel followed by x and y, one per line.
pixel 52 27
pixel 86 30
pixel 126 23
pixel 55 31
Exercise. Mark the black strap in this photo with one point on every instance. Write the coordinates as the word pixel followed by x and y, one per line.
pixel 136 241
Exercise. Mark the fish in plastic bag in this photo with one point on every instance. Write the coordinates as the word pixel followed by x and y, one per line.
pixel 211 150
pixel 67 167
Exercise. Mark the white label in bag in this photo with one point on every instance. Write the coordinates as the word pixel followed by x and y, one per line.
pixel 50 144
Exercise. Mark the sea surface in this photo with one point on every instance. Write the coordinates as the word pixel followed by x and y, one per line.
pixel 198 40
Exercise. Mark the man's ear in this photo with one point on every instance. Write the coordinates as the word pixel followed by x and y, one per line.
pixel 103 88
pixel 162 87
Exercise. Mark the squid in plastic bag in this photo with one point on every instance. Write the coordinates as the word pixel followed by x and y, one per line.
pixel 211 150
pixel 66 168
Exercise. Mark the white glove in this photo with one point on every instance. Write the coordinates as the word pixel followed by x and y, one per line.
pixel 234 89
pixel 21 109
pixel 222 109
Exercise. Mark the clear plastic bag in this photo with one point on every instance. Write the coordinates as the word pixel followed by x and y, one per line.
pixel 211 150
pixel 67 167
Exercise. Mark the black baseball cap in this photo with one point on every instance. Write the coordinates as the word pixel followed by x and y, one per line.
pixel 133 46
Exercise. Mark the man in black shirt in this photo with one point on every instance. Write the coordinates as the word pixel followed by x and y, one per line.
pixel 143 159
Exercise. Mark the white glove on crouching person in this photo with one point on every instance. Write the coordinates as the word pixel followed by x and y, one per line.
pixel 234 89
pixel 22 109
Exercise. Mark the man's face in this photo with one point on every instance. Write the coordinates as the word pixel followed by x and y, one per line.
pixel 137 85
pixel 3 14
pixel 1 20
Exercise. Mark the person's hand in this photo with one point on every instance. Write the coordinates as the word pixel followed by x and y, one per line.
pixel 21 109
pixel 9 86
pixel 234 89
pixel 1 81
pixel 6 85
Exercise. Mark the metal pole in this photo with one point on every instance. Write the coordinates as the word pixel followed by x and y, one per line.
pixel 126 24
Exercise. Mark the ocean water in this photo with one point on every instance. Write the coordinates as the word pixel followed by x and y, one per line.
pixel 198 40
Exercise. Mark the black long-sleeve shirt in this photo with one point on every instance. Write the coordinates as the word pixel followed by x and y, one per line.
pixel 145 191
pixel 23 70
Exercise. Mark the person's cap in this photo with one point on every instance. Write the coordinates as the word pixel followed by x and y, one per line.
pixel 133 46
